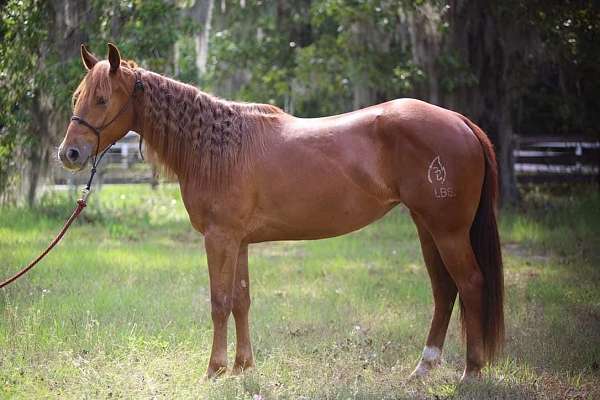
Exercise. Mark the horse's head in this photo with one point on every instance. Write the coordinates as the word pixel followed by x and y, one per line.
pixel 102 108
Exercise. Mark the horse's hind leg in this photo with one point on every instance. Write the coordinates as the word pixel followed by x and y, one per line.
pixel 444 295
pixel 461 263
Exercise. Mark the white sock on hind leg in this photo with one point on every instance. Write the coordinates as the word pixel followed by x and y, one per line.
pixel 430 357
pixel 431 354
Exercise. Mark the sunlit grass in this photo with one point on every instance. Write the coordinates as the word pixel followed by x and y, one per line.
pixel 121 307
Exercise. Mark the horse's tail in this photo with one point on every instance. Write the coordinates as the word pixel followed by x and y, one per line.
pixel 485 241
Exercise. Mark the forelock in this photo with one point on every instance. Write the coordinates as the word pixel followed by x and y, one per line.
pixel 96 83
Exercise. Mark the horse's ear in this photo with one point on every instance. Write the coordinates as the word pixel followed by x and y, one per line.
pixel 114 57
pixel 89 60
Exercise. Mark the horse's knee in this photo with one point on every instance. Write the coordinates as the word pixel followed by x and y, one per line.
pixel 241 305
pixel 241 301
pixel 221 307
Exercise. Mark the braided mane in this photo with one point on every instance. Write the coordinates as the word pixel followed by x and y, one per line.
pixel 195 135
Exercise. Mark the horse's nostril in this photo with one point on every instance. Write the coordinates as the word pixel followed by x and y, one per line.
pixel 72 154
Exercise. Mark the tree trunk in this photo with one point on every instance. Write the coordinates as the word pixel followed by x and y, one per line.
pixel 34 175
pixel 425 39
pixel 38 154
pixel 201 12
pixel 479 36
pixel 363 94
pixel 65 35
pixel 508 182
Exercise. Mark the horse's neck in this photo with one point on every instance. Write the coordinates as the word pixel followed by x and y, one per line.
pixel 195 135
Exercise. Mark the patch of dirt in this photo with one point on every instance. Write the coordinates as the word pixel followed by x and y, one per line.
pixel 518 250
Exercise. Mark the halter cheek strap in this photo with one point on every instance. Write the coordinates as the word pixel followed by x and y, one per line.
pixel 138 86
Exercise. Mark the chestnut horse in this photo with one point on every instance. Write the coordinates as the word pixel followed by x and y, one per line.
pixel 251 173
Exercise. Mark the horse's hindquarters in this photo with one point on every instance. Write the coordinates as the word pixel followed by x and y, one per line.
pixel 437 161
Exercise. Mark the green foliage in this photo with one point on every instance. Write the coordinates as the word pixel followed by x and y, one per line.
pixel 321 76
pixel 563 99
pixel 22 30
pixel 144 30
pixel 186 70
pixel 262 48
pixel 310 55
pixel 355 46
pixel 456 74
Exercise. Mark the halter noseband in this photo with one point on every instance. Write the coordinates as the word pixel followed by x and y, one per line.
pixel 138 86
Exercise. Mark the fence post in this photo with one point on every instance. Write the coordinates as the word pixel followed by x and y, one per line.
pixel 124 154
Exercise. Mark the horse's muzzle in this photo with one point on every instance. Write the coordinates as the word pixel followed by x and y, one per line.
pixel 73 158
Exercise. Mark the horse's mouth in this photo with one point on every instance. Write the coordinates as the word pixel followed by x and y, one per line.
pixel 75 168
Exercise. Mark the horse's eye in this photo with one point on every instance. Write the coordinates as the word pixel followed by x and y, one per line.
pixel 101 101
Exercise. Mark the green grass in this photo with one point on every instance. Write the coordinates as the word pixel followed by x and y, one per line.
pixel 121 308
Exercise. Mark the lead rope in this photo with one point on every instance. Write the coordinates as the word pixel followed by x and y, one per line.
pixel 81 204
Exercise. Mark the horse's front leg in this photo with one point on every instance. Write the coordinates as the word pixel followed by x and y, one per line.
pixel 241 306
pixel 222 249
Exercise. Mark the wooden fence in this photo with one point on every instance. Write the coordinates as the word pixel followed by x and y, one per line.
pixel 537 160
pixel 122 164
pixel 556 159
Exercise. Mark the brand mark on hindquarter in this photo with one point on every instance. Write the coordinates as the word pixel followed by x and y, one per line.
pixel 443 192
pixel 436 175
pixel 436 171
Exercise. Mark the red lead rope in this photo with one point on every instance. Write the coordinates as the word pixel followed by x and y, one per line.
pixel 81 203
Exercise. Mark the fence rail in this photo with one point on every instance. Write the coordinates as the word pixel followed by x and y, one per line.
pixel 556 159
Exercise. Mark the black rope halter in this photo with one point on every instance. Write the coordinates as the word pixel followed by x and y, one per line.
pixel 138 86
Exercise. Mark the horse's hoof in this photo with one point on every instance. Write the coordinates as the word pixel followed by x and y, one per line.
pixel 240 367
pixel 471 376
pixel 420 372
pixel 430 359
pixel 215 371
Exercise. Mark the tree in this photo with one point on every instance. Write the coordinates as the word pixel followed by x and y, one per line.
pixel 40 68
pixel 22 31
pixel 510 48
pixel 495 45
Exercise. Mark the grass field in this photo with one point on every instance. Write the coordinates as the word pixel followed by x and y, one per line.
pixel 121 308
